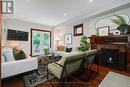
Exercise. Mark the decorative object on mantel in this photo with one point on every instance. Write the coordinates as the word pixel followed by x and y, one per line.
pixel 84 44
pixel 68 38
pixel 107 21
pixel 97 33
pixel 123 26
pixel 116 32
pixel 78 30
pixel 103 31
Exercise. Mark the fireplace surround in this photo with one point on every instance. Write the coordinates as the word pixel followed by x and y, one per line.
pixel 112 56
pixel 113 51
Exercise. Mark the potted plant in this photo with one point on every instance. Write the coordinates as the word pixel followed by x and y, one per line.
pixel 123 27
pixel 46 50
pixel 97 33
pixel 84 44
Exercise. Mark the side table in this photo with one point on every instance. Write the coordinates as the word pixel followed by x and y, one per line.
pixel 48 58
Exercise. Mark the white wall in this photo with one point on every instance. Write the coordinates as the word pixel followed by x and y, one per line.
pixel 22 26
pixel 89 26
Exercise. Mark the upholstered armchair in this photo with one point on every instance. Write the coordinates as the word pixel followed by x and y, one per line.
pixel 69 63
pixel 88 61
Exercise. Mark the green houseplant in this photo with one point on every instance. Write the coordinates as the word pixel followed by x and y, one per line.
pixel 119 20
pixel 97 33
pixel 84 44
pixel 46 50
pixel 123 27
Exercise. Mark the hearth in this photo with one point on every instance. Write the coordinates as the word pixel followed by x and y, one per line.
pixel 110 58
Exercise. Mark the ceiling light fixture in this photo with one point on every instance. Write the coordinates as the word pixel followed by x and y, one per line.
pixel 90 1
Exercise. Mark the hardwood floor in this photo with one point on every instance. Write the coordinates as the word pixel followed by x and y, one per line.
pixel 94 80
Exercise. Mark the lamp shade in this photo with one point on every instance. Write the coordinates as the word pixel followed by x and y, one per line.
pixel 57 39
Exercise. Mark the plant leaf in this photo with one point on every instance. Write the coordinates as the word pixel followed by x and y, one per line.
pixel 119 20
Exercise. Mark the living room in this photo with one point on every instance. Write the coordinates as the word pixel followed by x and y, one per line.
pixel 83 43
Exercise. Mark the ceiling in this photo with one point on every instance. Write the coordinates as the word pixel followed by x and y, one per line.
pixel 54 12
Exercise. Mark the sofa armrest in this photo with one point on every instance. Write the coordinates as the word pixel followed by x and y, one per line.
pixel 58 64
pixel 19 66
pixel 60 53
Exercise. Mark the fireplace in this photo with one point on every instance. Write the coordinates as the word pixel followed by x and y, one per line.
pixel 110 49
pixel 110 58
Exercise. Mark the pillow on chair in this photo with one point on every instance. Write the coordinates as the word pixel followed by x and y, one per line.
pixel 68 49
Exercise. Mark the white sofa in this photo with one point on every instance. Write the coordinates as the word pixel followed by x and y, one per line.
pixel 15 67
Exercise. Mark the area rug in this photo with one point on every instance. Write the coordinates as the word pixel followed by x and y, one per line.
pixel 115 80
pixel 37 77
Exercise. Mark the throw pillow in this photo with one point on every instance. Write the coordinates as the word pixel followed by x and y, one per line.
pixel 19 54
pixel 68 49
pixel 8 54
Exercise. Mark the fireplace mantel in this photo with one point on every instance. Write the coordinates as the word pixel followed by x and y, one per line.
pixel 121 47
pixel 121 42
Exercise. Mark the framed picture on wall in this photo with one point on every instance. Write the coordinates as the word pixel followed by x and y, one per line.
pixel 40 41
pixel 68 38
pixel 104 31
pixel 78 30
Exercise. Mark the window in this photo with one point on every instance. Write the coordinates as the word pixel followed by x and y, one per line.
pixel 40 40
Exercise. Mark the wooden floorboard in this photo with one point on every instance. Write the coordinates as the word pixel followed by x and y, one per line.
pixel 94 80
